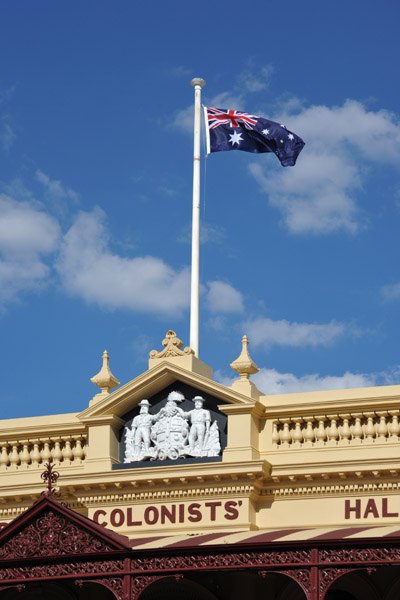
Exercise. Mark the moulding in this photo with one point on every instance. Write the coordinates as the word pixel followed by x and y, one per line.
pixel 166 495
pixel 332 490
pixel 156 379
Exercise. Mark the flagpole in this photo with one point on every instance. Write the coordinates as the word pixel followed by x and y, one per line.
pixel 197 83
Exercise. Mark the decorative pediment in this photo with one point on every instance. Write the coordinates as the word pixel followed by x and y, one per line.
pixel 154 381
pixel 49 529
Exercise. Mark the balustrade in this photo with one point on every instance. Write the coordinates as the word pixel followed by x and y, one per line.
pixel 336 430
pixel 66 450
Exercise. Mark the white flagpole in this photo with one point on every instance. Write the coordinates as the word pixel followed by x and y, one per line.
pixel 197 83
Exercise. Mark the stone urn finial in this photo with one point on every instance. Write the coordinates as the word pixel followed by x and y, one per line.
pixel 245 367
pixel 244 364
pixel 104 378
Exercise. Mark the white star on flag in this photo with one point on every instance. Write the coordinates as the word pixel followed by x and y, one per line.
pixel 291 136
pixel 265 131
pixel 235 138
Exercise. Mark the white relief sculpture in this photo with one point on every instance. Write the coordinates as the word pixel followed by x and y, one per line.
pixel 200 420
pixel 172 433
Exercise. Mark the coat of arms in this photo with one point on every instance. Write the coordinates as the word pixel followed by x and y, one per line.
pixel 172 433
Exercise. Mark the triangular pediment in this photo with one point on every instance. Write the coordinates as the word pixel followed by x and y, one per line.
pixel 49 529
pixel 152 382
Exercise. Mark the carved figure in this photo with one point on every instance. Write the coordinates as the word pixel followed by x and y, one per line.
pixel 141 426
pixel 167 434
pixel 200 420
pixel 138 438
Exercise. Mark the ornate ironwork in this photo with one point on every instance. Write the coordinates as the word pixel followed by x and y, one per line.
pixel 360 555
pixel 50 477
pixel 328 576
pixel 300 576
pixel 60 569
pixel 234 559
pixel 141 582
pixel 115 584
pixel 52 535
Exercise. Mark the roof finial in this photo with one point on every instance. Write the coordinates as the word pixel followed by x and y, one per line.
pixel 245 367
pixel 50 477
pixel 104 378
pixel 172 347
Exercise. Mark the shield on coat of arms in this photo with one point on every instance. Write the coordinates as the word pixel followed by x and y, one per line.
pixel 170 435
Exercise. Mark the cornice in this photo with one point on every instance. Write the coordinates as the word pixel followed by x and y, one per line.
pixel 111 420
pixel 35 431
pixel 333 489
pixel 154 380
pixel 166 495
pixel 255 408
pixel 329 402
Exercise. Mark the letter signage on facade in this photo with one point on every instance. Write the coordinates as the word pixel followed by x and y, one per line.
pixel 201 513
pixel 368 508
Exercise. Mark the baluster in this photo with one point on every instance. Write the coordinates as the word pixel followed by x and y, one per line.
pixel 333 432
pixel 35 454
pixel 46 454
pixel 309 435
pixel 357 429
pixel 394 427
pixel 4 460
pixel 77 450
pixel 321 433
pixel 14 456
pixel 297 433
pixel 67 452
pixel 370 427
pixel 25 454
pixel 286 438
pixel 56 452
pixel 275 433
pixel 382 429
pixel 345 433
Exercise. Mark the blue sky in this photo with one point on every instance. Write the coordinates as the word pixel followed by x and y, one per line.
pixel 96 155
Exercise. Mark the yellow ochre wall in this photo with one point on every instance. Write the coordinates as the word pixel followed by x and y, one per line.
pixel 318 459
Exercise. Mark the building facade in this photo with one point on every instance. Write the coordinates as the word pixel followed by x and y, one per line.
pixel 174 485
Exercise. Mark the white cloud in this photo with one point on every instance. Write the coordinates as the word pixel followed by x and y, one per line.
pixel 222 297
pixel 7 134
pixel 255 82
pixel 56 188
pixel 391 292
pixel 27 235
pixel 180 71
pixel 266 332
pixel 318 194
pixel 90 270
pixel 270 381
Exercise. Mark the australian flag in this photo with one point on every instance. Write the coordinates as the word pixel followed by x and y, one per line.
pixel 235 130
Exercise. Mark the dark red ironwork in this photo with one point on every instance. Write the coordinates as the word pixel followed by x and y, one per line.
pixel 115 584
pixel 51 542
pixel 50 477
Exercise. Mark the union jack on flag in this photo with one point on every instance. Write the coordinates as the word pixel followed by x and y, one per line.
pixel 232 117
pixel 236 130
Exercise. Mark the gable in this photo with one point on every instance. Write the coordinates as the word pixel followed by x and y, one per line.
pixel 48 529
pixel 155 380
